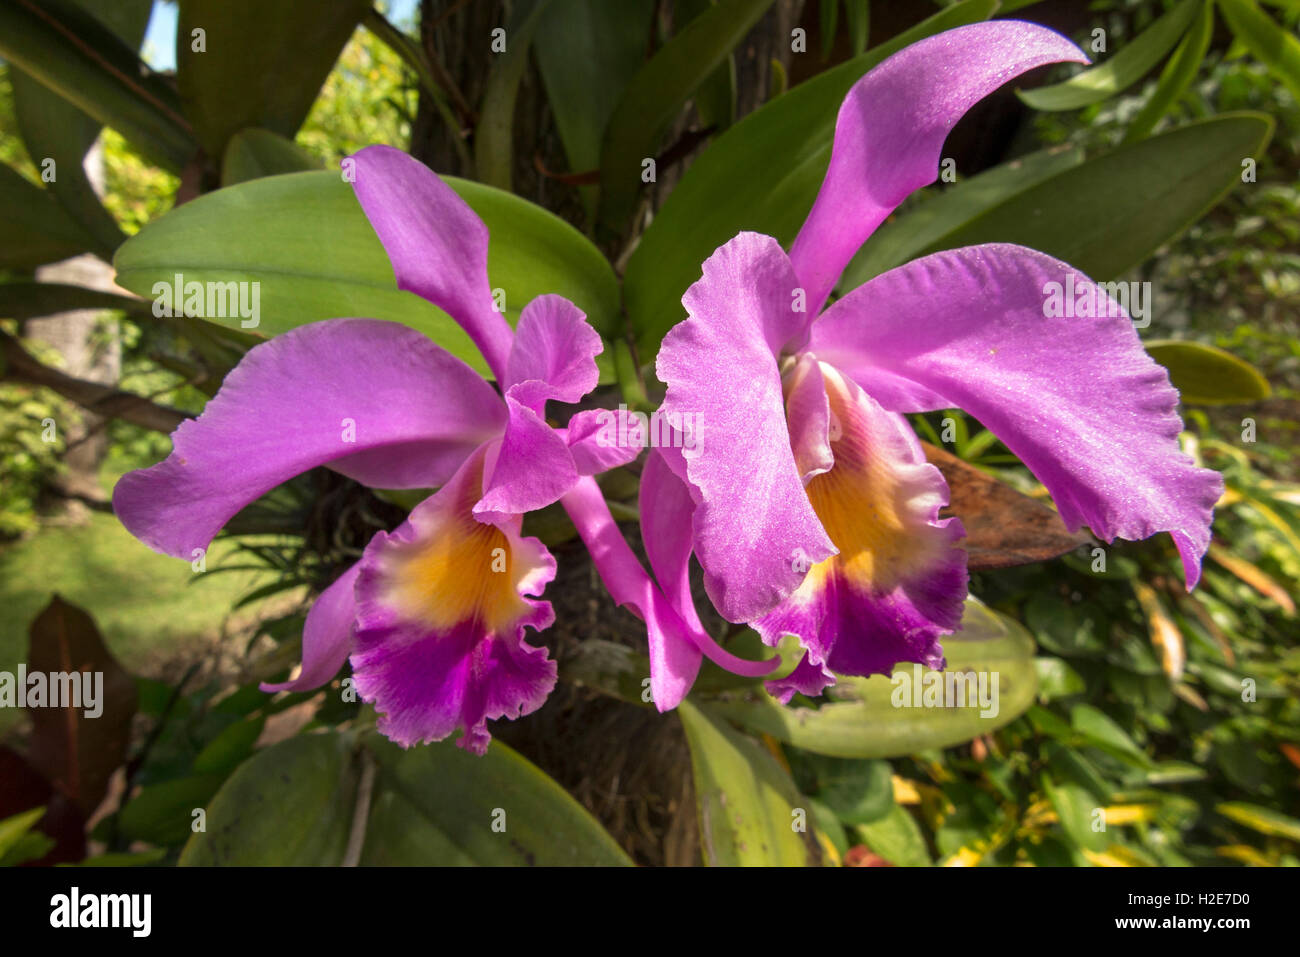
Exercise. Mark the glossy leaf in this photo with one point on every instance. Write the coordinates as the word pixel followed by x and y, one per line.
pixel 452 807
pixel 54 129
pixel 262 64
pixel 656 94
pixel 1177 75
pixel 1208 375
pixel 762 174
pixel 860 720
pixel 256 152
pixel 35 229
pixel 1108 214
pixel 903 237
pixel 76 56
pixel 305 239
pixel 745 802
pixel 1128 65
pixel 289 805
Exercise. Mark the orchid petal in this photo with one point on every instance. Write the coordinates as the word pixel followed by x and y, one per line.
pixel 808 416
pixel 554 354
pixel 374 400
pixel 326 635
pixel 891 128
pixel 441 613
pixel 532 469
pixel 898 580
pixel 1078 400
pixel 600 439
pixel 754 525
pixel 438 245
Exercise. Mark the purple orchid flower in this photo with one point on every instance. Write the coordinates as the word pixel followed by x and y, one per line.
pixel 814 511
pixel 433 615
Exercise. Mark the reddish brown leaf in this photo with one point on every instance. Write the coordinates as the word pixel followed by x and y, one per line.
pixel 1003 526
pixel 77 753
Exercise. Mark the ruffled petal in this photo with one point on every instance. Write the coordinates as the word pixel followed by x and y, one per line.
pixel 438 246
pixel 602 439
pixel 441 617
pixel 374 400
pixel 891 129
pixel 1077 398
pixel 808 416
pixel 326 635
pixel 554 354
pixel 898 581
pixel 754 525
pixel 532 469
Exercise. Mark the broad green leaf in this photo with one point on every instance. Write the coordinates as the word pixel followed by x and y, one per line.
pixel 289 805
pixel 1120 71
pixel 76 56
pixel 587 53
pixel 1108 214
pixel 715 99
pixel 1056 679
pixel 452 807
pixel 1102 732
pixel 859 792
pixel 745 802
pixel 861 720
pixel 762 174
pixel 656 94
pixel 27 300
pixel 1274 47
pixel 230 747
pixel 897 838
pixel 163 813
pixel 304 238
pixel 1262 820
pixel 261 64
pixel 1207 375
pixel 53 129
pixel 905 236
pixel 35 229
pixel 494 154
pixel 256 152
pixel 1177 75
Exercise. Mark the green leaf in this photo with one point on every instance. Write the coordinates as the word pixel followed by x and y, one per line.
pixel 1177 75
pixel 857 15
pixel 27 300
pixel 36 229
pixel 304 238
pixel 762 174
pixel 262 64
pixel 1077 809
pixel 897 838
pixel 1056 679
pixel 1274 47
pixel 587 53
pixel 163 813
pixel 902 238
pixel 494 136
pixel 828 20
pixel 13 829
pixel 1207 375
pixel 745 801
pixel 1120 71
pixel 76 56
pixel 289 805
pixel 1261 819
pixel 655 96
pixel 451 807
pixel 861 720
pixel 1108 214
pixel 859 792
pixel 54 129
pixel 256 152
pixel 230 747
pixel 1101 732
